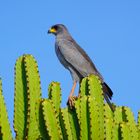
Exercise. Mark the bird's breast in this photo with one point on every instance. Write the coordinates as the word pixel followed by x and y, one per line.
pixel 60 56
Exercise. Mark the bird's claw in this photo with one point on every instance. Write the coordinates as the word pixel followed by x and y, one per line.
pixel 71 100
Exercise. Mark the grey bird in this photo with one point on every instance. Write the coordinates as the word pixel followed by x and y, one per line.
pixel 75 59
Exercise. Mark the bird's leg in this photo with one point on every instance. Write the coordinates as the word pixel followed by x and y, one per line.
pixel 71 98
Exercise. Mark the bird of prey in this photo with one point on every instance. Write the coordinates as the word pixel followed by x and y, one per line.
pixel 75 59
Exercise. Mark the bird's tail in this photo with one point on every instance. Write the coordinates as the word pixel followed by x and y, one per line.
pixel 108 95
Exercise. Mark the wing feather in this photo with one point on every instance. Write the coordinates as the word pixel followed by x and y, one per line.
pixel 77 57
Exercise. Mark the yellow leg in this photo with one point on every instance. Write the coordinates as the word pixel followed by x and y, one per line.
pixel 73 88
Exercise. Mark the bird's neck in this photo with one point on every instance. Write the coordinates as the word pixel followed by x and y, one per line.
pixel 64 35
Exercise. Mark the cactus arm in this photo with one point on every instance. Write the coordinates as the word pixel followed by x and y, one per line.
pixel 117 119
pixel 33 96
pixel 84 119
pixel 84 87
pixel 108 126
pixel 108 112
pixel 51 120
pixel 77 109
pixel 74 123
pixel 42 127
pixel 20 100
pixel 118 116
pixel 55 94
pixel 115 132
pixel 139 119
pixel 27 95
pixel 95 89
pixel 138 122
pixel 129 118
pixel 128 115
pixel 66 126
pixel 63 123
pixel 96 119
pixel 69 124
pixel 125 131
pixel 5 131
pixel 138 133
pixel 96 104
pixel 108 122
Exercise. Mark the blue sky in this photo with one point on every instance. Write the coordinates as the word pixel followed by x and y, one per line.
pixel 109 31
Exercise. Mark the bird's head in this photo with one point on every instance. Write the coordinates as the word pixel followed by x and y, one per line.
pixel 57 29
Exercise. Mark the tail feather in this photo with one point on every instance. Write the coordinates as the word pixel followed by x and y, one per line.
pixel 108 95
pixel 107 90
pixel 109 103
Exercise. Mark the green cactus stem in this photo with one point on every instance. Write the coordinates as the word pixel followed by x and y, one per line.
pixel 27 95
pixel 5 131
pixel 51 119
pixel 55 94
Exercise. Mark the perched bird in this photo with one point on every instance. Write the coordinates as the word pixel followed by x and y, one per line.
pixel 75 59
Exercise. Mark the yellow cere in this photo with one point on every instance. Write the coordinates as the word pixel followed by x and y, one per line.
pixel 52 30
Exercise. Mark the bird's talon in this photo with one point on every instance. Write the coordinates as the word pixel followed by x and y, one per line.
pixel 71 101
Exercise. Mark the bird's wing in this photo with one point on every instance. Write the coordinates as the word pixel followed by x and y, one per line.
pixel 77 57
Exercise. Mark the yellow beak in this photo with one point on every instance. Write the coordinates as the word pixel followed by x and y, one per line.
pixel 52 30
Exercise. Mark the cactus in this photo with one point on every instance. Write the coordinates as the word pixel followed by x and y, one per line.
pixel 27 94
pixel 37 118
pixel 51 119
pixel 20 100
pixel 125 131
pixel 129 118
pixel 5 131
pixel 54 93
pixel 69 125
pixel 138 125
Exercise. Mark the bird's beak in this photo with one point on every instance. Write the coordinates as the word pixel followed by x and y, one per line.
pixel 51 30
